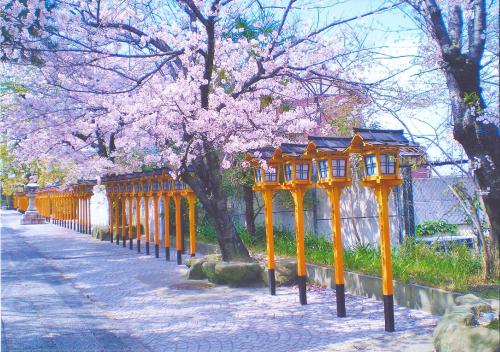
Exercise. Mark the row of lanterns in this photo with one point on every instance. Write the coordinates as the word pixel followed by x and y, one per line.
pixel 68 207
pixel 290 167
pixel 152 185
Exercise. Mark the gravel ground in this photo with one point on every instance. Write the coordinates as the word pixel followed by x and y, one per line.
pixel 65 291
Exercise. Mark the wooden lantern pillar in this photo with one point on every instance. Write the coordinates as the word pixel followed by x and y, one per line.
pixel 130 199
pixel 147 194
pixel 380 153
pixel 156 194
pixel 109 196
pixel 266 181
pixel 297 169
pixel 333 175
pixel 179 186
pixel 167 191
pixel 138 195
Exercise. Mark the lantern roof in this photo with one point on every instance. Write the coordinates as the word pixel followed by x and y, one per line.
pixel 266 153
pixel 385 137
pixel 330 143
pixel 292 149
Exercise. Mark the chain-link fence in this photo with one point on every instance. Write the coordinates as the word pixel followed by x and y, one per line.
pixel 415 201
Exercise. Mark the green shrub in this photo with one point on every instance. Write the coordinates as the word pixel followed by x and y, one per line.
pixel 429 228
pixel 455 269
pixel 205 232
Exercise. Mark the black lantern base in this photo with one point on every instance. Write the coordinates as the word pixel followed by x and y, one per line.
pixel 272 282
pixel 157 250
pixel 301 280
pixel 389 313
pixel 124 241
pixel 179 257
pixel 131 243
pixel 138 246
pixel 147 248
pixel 340 295
pixel 117 239
pixel 167 254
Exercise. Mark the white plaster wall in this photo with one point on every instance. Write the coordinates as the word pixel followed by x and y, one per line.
pixel 99 207
pixel 359 214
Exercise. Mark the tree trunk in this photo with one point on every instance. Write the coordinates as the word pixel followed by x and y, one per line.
pixel 481 142
pixel 206 183
pixel 479 136
pixel 249 210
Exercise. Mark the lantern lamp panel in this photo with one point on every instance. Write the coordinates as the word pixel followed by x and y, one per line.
pixel 166 185
pixel 371 165
pixel 155 185
pixel 388 164
pixel 323 168
pixel 288 172
pixel 271 174
pixel 179 185
pixel 338 167
pixel 258 175
pixel 302 171
pixel 129 187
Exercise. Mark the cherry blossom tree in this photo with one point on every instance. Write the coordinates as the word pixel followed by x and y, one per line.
pixel 116 85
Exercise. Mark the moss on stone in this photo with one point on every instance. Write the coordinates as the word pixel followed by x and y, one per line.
pixel 238 274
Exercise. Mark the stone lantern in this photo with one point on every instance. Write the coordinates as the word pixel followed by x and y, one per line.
pixel 31 216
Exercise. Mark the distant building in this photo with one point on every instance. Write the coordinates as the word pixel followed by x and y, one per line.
pixel 423 171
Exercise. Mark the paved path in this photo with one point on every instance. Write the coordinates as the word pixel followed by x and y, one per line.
pixel 65 291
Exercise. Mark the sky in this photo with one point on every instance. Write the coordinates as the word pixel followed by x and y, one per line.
pixel 399 34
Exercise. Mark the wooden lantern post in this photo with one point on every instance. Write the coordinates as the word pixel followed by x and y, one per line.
pixel 380 153
pixel 156 194
pixel 167 188
pixel 138 195
pixel 147 194
pixel 266 181
pixel 109 195
pixel 123 203
pixel 186 192
pixel 130 198
pixel 116 188
pixel 297 170
pixel 179 186
pixel 333 175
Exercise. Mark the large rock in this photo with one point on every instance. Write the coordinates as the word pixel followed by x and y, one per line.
pixel 208 268
pixel 196 269
pixel 285 272
pixel 459 329
pixel 101 232
pixel 237 274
